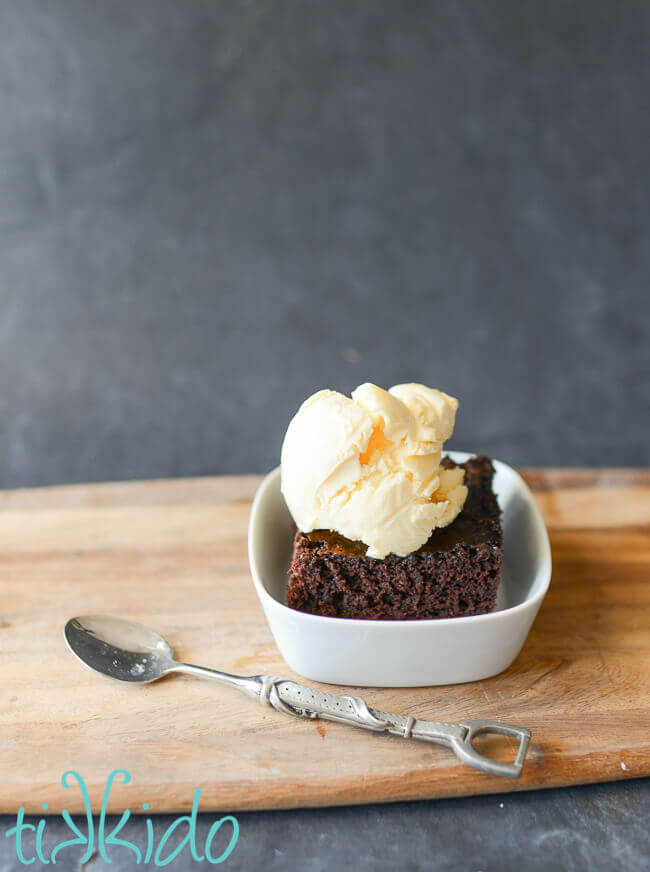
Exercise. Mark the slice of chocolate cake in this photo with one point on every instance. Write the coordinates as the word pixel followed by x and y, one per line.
pixel 455 573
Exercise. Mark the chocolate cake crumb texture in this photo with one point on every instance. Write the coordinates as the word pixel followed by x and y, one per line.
pixel 455 573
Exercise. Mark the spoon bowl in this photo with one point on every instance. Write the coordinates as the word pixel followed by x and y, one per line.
pixel 119 649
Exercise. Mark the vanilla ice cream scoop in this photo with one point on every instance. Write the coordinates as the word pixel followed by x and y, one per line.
pixel 369 467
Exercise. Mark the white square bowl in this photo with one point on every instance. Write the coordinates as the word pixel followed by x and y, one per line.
pixel 409 653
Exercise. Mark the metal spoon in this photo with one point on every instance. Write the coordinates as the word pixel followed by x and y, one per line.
pixel 130 652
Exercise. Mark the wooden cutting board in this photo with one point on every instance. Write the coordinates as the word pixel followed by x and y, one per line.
pixel 172 554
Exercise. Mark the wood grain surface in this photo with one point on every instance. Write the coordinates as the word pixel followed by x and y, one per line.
pixel 172 554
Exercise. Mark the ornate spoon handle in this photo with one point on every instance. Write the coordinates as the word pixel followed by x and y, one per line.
pixel 304 702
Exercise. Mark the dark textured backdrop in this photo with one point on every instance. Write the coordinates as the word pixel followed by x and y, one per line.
pixel 210 210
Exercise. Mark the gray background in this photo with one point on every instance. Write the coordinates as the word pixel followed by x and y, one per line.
pixel 209 210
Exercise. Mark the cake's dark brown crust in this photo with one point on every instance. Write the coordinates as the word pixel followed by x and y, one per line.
pixel 455 573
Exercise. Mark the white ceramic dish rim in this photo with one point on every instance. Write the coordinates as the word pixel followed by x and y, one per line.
pixel 543 569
